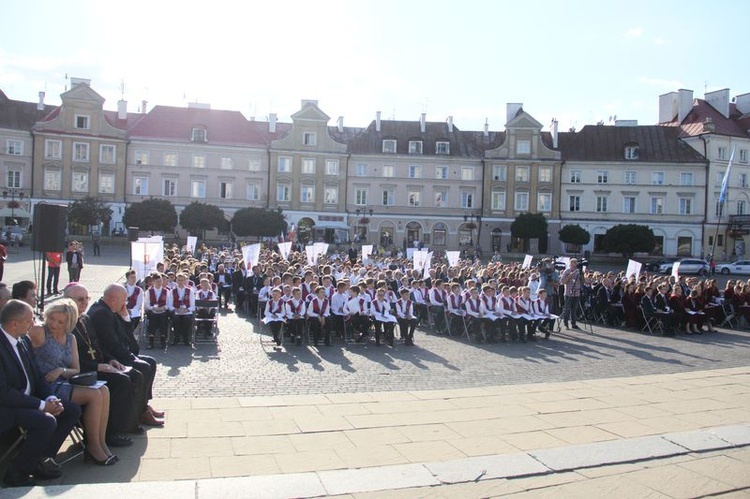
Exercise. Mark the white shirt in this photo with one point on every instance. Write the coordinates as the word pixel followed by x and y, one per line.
pixel 14 343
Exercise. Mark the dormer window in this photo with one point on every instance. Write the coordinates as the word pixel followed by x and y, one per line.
pixel 443 148
pixel 199 135
pixel 389 146
pixel 523 147
pixel 82 122
pixel 415 147
pixel 631 151
pixel 309 139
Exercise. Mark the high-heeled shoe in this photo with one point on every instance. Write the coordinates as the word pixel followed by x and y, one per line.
pixel 112 459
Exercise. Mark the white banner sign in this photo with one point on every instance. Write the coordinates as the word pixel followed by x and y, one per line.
pixel 419 259
pixel 192 242
pixel 151 239
pixel 634 268
pixel 676 270
pixel 145 256
pixel 527 262
pixel 285 249
pixel 320 249
pixel 366 251
pixel 251 255
pixel 427 264
pixel 453 257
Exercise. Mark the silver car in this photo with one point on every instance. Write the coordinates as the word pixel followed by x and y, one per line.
pixel 738 267
pixel 687 266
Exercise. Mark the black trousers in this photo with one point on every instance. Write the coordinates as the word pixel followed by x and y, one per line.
pixel 224 294
pixel 157 323
pixel 53 278
pixel 121 402
pixel 147 366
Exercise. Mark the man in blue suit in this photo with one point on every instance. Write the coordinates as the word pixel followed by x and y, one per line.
pixel 26 401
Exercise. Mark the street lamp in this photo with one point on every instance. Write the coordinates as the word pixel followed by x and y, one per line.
pixel 364 211
pixel 472 220
pixel 13 192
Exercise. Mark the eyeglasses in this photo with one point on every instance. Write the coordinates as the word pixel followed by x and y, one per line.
pixel 81 299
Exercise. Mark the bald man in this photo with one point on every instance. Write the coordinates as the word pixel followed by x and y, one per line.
pixel 110 319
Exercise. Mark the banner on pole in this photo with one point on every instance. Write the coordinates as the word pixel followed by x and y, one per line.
pixel 285 249
pixel 145 256
pixel 527 262
pixel 634 268
pixel 192 242
pixel 427 264
pixel 453 257
pixel 251 255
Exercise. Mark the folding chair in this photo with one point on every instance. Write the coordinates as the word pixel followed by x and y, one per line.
pixel 652 323
pixel 77 436
pixel 213 307
pixel 730 317
pixel 11 439
pixel 468 324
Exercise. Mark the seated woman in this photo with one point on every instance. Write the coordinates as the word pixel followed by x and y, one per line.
pixel 630 304
pixel 683 320
pixel 56 356
pixel 698 316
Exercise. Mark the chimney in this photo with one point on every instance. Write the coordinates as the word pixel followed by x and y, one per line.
pixel 74 82
pixel 626 122
pixel 450 124
pixel 709 126
pixel 40 104
pixel 422 124
pixel 719 100
pixel 684 103
pixel 122 109
pixel 377 121
pixel 667 107
pixel 554 133
pixel 144 104
pixel 272 123
pixel 340 124
pixel 486 128
pixel 743 103
pixel 512 109
pixel 306 102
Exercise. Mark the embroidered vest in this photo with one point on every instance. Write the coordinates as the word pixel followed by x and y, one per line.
pixel 157 302
pixel 180 302
pixel 133 298
pixel 318 309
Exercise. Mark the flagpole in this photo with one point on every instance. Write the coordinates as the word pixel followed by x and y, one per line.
pixel 722 200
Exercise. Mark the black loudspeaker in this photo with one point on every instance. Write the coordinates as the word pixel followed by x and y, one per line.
pixel 49 227
pixel 133 234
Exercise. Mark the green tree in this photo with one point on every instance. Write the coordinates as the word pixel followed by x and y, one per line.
pixel 629 239
pixel 198 218
pixel 529 226
pixel 258 222
pixel 89 211
pixel 151 215
pixel 574 234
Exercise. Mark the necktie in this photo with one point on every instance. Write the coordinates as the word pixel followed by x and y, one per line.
pixel 24 355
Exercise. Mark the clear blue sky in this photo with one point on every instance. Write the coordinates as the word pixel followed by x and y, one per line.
pixel 580 61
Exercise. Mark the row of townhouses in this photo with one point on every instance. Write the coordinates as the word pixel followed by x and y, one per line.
pixel 394 182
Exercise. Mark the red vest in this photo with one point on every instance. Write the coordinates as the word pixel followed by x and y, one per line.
pixel 161 302
pixel 319 311
pixel 185 301
pixel 132 299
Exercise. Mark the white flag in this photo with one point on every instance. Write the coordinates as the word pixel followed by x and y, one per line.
pixel 634 268
pixel 427 264
pixel 251 255
pixel 320 249
pixel 192 241
pixel 527 261
pixel 145 256
pixel 366 252
pixel 419 259
pixel 725 180
pixel 676 270
pixel 452 257
pixel 285 249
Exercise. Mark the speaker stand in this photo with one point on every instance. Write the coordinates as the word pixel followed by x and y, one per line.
pixel 43 284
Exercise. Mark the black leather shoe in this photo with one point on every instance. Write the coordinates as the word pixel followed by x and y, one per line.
pixel 15 479
pixel 46 471
pixel 119 441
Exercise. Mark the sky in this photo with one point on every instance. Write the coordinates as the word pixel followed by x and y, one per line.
pixel 580 62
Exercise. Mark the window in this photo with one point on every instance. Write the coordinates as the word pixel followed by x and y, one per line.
pixel 140 186
pixel 198 189
pixel 544 202
pixel 14 147
pixel 657 205
pixel 309 139
pixel 743 179
pixel 13 179
pixel 522 174
pixel 332 167
pixel 80 151
pixel 601 204
pixel 285 164
pixel 169 187
pixel 467 173
pixel 498 200
pixel 389 146
pixel 442 148
pixel 331 194
pixel 630 177
pixel 170 159
pixel 722 152
pixel 199 161
pixel 307 193
pixel 252 190
pixel 441 198
pixel 388 196
pixel 225 190
pixel 574 203
pixel 388 171
pixel 253 165
pixel 52 180
pixel 720 178
pixel 602 176
pixel 82 121
pixel 467 199
pixel 522 201
pixel 360 170
pixel 631 152
pixel 441 172
pixel 686 178
pixel 53 149
pixel 415 198
pixel 360 196
pixel 545 174
pixel 498 173
pixel 657 178
pixel 141 157
pixel 628 204
pixel 575 176
pixel 106 183
pixel 740 207
pixel 415 171
pixel 308 166
pixel 80 182
pixel 227 163
pixel 719 208
pixel 415 147
pixel 686 206
pixel 107 154
pixel 199 135
pixel 743 155
pixel 523 147
pixel 283 192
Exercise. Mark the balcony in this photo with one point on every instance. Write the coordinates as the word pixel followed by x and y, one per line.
pixel 739 225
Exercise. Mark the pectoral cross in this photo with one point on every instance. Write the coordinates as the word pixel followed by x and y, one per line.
pixel 92 352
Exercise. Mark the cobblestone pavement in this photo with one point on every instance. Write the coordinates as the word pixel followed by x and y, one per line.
pixel 240 365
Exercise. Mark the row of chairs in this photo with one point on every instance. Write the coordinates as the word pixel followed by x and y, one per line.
pixel 195 322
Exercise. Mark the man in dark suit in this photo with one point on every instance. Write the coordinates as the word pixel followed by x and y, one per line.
pixel 74 259
pixel 223 280
pixel 238 286
pixel 253 285
pixel 26 401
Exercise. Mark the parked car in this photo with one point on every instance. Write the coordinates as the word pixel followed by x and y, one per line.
pixel 655 266
pixel 738 267
pixel 119 232
pixel 687 266
pixel 12 234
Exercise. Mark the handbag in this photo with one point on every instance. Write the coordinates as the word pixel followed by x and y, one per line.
pixel 84 379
